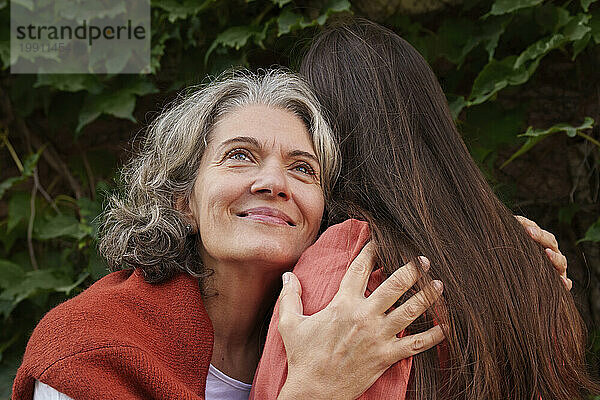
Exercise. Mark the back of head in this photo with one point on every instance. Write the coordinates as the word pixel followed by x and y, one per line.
pixel 513 329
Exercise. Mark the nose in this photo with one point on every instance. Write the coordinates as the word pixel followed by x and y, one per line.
pixel 271 181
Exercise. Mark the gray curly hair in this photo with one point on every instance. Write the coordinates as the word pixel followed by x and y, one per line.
pixel 140 227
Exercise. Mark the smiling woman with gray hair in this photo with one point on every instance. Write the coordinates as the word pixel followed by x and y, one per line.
pixel 228 191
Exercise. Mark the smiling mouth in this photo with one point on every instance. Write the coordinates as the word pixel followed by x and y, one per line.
pixel 266 218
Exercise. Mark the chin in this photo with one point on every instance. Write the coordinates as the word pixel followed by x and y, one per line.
pixel 269 253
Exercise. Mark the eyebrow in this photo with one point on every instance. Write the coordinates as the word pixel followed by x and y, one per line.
pixel 254 142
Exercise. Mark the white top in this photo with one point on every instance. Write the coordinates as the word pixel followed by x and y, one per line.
pixel 45 392
pixel 218 387
pixel 222 387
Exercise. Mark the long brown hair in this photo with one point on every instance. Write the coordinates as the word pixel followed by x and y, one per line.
pixel 513 330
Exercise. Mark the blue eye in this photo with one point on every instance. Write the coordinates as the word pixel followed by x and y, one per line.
pixel 239 155
pixel 305 169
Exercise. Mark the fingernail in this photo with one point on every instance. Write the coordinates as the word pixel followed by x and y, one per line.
pixel 568 282
pixel 285 277
pixel 550 252
pixel 437 285
pixel 424 262
pixel 532 231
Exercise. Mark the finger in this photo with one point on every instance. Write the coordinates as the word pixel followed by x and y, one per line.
pixel 405 314
pixel 290 302
pixel 356 277
pixel 408 346
pixel 525 221
pixel 543 237
pixel 537 233
pixel 386 294
pixel 558 260
pixel 568 283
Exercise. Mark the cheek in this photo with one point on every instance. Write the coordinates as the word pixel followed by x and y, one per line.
pixel 218 189
pixel 313 205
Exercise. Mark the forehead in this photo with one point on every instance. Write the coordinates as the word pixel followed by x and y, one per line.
pixel 269 125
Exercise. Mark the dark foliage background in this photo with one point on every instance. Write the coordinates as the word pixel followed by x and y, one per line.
pixel 521 77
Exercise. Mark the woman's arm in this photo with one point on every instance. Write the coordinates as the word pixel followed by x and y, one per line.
pixel 340 351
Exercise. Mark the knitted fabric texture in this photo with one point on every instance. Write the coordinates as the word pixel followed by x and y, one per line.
pixel 122 338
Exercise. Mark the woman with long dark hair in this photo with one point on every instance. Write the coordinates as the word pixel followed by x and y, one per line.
pixel 513 331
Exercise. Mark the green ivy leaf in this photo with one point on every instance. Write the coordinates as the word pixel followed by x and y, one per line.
pixel 571 131
pixel 595 25
pixel 18 209
pixel 119 103
pixel 288 21
pixel 236 37
pixel 30 162
pixel 89 211
pixel 33 282
pixel 336 6
pixel 592 234
pixel 534 136
pixel 528 145
pixel 10 182
pixel 96 266
pixel 70 82
pixel 456 106
pixel 495 76
pixel 68 288
pixel 28 166
pixel 59 226
pixel 181 10
pixel 492 30
pixel 281 3
pixel 10 274
pixel 540 48
pixel 580 45
pixel 508 6
pixel 456 39
pixel 577 27
pixel 585 4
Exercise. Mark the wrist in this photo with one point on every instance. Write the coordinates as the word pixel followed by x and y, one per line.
pixel 298 389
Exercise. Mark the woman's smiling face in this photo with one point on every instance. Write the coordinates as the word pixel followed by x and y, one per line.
pixel 257 196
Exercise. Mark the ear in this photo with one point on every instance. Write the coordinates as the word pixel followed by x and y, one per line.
pixel 182 204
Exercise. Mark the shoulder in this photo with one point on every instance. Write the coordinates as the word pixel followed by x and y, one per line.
pixel 348 236
pixel 120 311
pixel 337 247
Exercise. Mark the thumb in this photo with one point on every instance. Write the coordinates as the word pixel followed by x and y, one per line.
pixel 290 303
